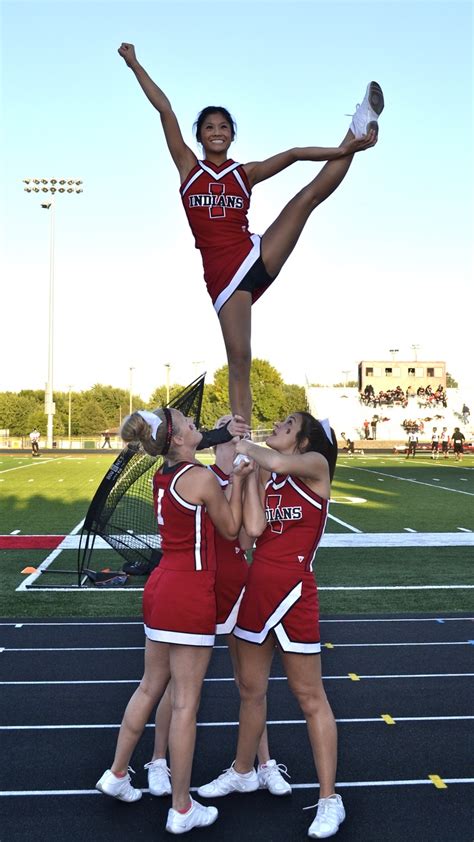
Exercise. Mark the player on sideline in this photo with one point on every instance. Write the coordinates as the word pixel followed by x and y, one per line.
pixel 179 604
pixel 231 576
pixel 240 266
pixel 286 510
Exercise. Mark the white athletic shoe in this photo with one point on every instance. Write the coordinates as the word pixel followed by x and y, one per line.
pixel 159 782
pixel 329 816
pixel 230 781
pixel 270 776
pixel 197 816
pixel 367 113
pixel 120 788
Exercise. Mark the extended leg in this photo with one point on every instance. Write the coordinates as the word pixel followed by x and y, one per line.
pixel 235 320
pixel 188 668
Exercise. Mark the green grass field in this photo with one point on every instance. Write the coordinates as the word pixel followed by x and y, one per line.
pixel 400 524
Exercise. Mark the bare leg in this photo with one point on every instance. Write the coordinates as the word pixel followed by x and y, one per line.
pixel 235 319
pixel 263 751
pixel 188 668
pixel 162 726
pixel 304 678
pixel 140 706
pixel 281 237
pixel 254 664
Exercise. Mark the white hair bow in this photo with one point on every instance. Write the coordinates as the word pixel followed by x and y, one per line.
pixel 151 419
pixel 327 428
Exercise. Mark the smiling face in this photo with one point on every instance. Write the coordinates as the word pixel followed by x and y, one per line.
pixel 284 436
pixel 215 130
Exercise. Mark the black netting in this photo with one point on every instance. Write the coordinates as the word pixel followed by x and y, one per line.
pixel 121 511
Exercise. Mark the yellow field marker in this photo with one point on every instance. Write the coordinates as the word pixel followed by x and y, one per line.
pixel 388 719
pixel 438 782
pixel 353 676
pixel 329 645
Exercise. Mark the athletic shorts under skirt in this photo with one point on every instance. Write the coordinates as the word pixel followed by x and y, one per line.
pixel 233 267
pixel 283 601
pixel 230 585
pixel 180 607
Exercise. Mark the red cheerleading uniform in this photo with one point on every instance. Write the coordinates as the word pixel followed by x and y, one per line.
pixel 281 594
pixel 231 575
pixel 179 604
pixel 216 201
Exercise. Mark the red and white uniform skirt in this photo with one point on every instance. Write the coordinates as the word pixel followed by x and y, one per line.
pixel 283 601
pixel 179 606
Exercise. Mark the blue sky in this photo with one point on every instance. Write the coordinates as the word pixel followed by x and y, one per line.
pixel 386 262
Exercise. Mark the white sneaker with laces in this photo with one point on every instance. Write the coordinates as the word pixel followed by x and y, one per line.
pixel 230 781
pixel 159 782
pixel 197 816
pixel 270 776
pixel 329 816
pixel 367 113
pixel 120 788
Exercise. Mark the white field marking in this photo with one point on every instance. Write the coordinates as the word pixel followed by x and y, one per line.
pixel 348 721
pixel 462 479
pixel 45 564
pixel 462 529
pixel 130 648
pixel 45 793
pixel 346 500
pixel 346 677
pixel 352 480
pixel 396 587
pixel 360 619
pixel 15 532
pixel 380 480
pixel 33 464
pixel 343 523
pixel 407 529
pixel 436 480
pixel 89 590
pixel 416 481
pixel 461 538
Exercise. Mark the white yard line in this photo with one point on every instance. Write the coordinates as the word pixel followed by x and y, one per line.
pixel 33 464
pixel 415 481
pixel 49 560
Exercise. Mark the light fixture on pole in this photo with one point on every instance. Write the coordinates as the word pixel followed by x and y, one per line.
pixel 51 186
pixel 196 364
pixel 167 366
pixel 345 373
pixel 131 370
pixel 393 351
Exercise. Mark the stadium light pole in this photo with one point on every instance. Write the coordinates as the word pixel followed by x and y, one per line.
pixel 393 351
pixel 132 369
pixel 167 366
pixel 69 417
pixel 51 186
pixel 415 349
pixel 345 373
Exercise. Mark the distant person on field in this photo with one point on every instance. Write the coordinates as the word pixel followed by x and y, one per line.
pixel 458 440
pixel 435 444
pixel 34 438
pixel 412 443
pixel 465 413
pixel 445 442
pixel 106 436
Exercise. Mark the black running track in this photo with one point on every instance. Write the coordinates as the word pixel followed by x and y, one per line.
pixel 64 687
